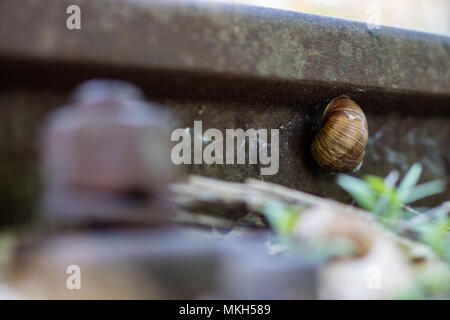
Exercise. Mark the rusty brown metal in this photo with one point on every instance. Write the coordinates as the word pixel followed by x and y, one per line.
pixel 108 138
pixel 231 67
pixel 236 40
pixel 163 264
pixel 105 156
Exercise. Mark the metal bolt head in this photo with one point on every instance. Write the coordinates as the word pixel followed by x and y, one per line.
pixel 108 138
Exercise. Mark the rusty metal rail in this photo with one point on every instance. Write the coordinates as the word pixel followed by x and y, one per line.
pixel 235 40
pixel 231 67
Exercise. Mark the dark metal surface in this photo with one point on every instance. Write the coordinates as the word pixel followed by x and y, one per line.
pixel 226 39
pixel 162 264
pixel 105 156
pixel 231 67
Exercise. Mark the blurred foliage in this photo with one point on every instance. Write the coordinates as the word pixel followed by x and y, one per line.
pixel 436 234
pixel 389 200
pixel 282 219
pixel 430 283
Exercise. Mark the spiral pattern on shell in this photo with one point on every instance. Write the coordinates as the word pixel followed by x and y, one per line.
pixel 341 141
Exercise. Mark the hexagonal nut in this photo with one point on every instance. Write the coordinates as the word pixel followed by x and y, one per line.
pixel 108 138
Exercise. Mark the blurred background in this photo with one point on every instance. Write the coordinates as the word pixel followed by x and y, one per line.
pixel 423 15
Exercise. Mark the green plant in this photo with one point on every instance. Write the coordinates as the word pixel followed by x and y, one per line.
pixel 436 234
pixel 430 283
pixel 389 202
pixel 281 217
pixel 387 199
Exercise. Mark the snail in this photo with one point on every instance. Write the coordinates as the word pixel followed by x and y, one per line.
pixel 341 141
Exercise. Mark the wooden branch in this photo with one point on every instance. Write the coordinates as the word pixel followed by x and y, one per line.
pixel 232 201
pixel 282 193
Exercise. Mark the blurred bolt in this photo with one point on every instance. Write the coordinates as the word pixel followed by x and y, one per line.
pixel 108 146
pixel 109 138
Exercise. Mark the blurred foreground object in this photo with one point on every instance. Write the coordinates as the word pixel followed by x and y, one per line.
pixel 107 156
pixel 327 223
pixel 161 264
pixel 194 263
pixel 376 267
pixel 363 260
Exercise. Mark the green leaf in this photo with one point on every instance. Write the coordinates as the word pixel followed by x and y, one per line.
pixel 377 184
pixel 281 218
pixel 381 206
pixel 435 235
pixel 391 179
pixel 425 190
pixel 388 203
pixel 359 190
pixel 409 181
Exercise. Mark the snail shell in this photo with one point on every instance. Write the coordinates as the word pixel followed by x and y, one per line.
pixel 341 141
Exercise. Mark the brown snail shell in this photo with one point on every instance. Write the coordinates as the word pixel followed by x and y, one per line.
pixel 341 141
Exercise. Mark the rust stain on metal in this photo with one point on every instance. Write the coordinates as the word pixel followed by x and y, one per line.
pixel 227 39
pixel 231 67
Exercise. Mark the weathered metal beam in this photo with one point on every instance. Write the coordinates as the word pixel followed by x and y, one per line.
pixel 231 67
pixel 234 40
